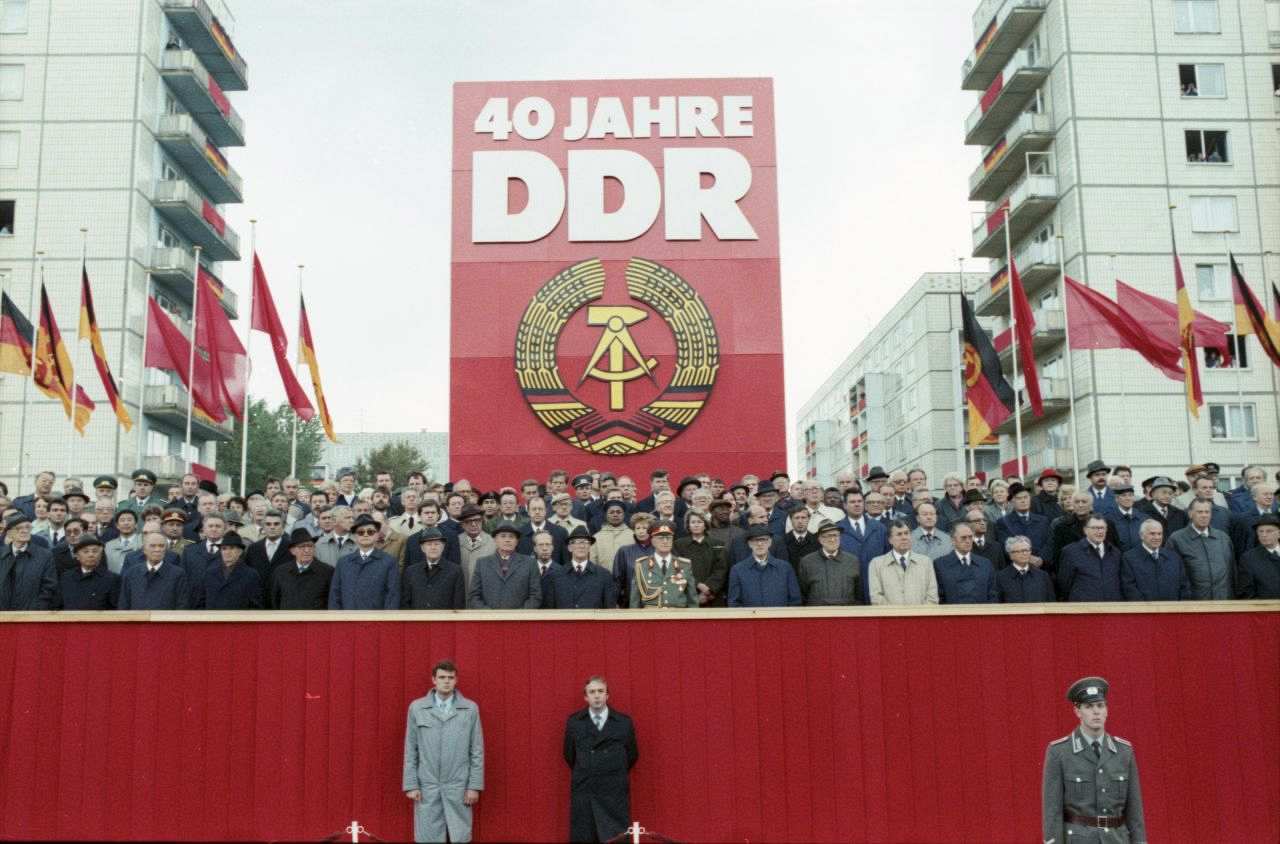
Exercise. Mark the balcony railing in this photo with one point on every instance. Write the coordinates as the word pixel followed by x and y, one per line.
pixel 168 403
pixel 1037 264
pixel 202 97
pixel 197 219
pixel 183 139
pixel 203 32
pixel 1006 160
pixel 1049 330
pixel 1027 205
pixel 1009 27
pixel 1048 458
pixel 173 268
pixel 1053 396
pixel 1005 98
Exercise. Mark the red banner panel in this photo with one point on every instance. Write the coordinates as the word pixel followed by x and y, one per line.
pixel 778 727
pixel 615 279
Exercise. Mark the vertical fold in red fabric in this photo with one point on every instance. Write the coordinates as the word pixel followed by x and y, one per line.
pixel 266 319
pixel 228 362
pixel 1026 353
pixel 1099 323
pixel 1161 316
pixel 168 349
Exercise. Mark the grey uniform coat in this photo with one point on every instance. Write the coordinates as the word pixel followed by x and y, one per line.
pixel 1074 782
pixel 443 757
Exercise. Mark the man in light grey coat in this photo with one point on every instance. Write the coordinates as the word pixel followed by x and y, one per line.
pixel 443 759
pixel 1207 554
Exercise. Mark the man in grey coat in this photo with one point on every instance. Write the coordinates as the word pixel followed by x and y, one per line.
pixel 1207 554
pixel 443 759
pixel 505 580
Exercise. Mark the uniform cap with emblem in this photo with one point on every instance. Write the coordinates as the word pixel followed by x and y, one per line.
pixel 663 529
pixel 506 527
pixel 1088 690
pixel 560 496
pixel 430 534
pixel 581 532
pixel 105 482
pixel 580 481
pixel 143 475
pixel 174 515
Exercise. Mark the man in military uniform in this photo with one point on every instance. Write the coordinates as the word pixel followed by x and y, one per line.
pixel 143 496
pixel 661 578
pixel 1091 790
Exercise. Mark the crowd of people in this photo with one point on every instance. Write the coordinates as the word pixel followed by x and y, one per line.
pixel 591 542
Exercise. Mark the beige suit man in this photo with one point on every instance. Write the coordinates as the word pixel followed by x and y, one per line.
pixel 902 576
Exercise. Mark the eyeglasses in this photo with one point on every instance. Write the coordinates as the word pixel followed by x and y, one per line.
pixel 366 532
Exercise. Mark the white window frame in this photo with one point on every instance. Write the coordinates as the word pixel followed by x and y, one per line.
pixel 14 15
pixel 1222 70
pixel 1209 214
pixel 16 72
pixel 10 140
pixel 153 443
pixel 1249 415
pixel 1226 142
pixel 1191 17
pixel 1221 283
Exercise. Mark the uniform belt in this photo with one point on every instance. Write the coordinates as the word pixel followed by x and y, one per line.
pixel 1106 822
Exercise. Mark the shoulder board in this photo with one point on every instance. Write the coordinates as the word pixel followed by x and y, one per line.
pixel 682 559
pixel 1067 737
pixel 645 558
pixel 1123 741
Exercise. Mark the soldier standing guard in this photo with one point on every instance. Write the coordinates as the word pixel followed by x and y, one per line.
pixel 661 578
pixel 1091 790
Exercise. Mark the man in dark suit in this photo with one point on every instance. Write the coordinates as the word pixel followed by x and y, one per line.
pixel 435 583
pixel 1160 506
pixel 538 523
pixel 739 550
pixel 233 585
pixel 600 750
pixel 27 577
pixel 90 585
pixel 863 537
pixel 984 542
pixel 1022 522
pixel 579 584
pixel 268 552
pixel 1101 497
pixel 505 580
pixel 1126 519
pixel 801 541
pixel 200 556
pixel 1069 528
pixel 1259 575
pixel 964 577
pixel 1152 571
pixel 1090 569
pixel 429 513
pixel 1020 582
pixel 1243 522
pixel 156 584
pixel 302 584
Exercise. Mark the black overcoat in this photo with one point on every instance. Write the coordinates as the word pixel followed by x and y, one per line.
pixel 600 761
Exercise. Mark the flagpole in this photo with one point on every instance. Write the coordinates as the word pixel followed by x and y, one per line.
pixel 248 328
pixel 142 372
pixel 1191 450
pixel 1071 372
pixel 973 460
pixel 78 357
pixel 297 344
pixel 191 361
pixel 1013 344
pixel 26 391
pixel 1236 342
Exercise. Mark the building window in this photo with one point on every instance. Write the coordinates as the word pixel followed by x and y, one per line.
pixel 8 211
pixel 1212 283
pixel 9 149
pixel 168 239
pixel 1191 16
pixel 157 444
pixel 11 79
pixel 1053 368
pixel 1058 436
pixel 1232 422
pixel 13 16
pixel 1202 80
pixel 1213 214
pixel 1239 347
pixel 1206 146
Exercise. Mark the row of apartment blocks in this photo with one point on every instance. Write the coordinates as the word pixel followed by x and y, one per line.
pixel 115 117
pixel 1105 131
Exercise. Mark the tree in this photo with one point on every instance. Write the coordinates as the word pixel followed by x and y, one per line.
pixel 270 441
pixel 399 458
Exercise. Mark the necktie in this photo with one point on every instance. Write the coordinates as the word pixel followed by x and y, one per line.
pixel 503 568
pixel 599 719
pixel 1097 750
pixel 903 562
pixel 543 566
pixel 857 529
pixel 1155 555
pixel 411 523
pixel 577 568
pixel 964 561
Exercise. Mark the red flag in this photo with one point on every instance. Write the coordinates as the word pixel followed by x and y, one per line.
pixel 266 319
pixel 1187 339
pixel 1162 316
pixel 1026 354
pixel 1096 322
pixel 228 362
pixel 168 349
pixel 89 331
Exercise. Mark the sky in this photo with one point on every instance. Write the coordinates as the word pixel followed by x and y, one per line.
pixel 348 121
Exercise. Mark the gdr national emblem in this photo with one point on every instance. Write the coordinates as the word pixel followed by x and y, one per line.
pixel 640 400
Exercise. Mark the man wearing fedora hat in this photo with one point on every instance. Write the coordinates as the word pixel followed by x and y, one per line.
pixel 1090 788
pixel 830 575
pixel 367 578
pixel 762 580
pixel 1260 566
pixel 1020 521
pixel 435 583
pixel 90 585
pixel 231 585
pixel 303 583
pixel 505 580
pixel 1096 473
pixel 580 584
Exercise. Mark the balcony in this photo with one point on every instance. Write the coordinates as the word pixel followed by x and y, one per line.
pixel 197 220
pixel 1053 395
pixel 1049 331
pixel 1058 459
pixel 1005 98
pixel 1026 206
pixel 173 268
pixel 1006 160
pixel 183 139
pixel 1012 23
pixel 168 403
pixel 200 95
pixel 1037 264
pixel 205 36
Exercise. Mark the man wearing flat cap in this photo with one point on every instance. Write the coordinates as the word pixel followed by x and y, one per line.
pixel 562 512
pixel 143 495
pixel 1160 507
pixel 830 575
pixel 662 579
pixel 1090 786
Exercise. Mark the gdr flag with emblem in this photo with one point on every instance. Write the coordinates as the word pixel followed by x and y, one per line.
pixel 990 396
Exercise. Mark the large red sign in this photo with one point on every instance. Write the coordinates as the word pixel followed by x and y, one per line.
pixel 616 299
